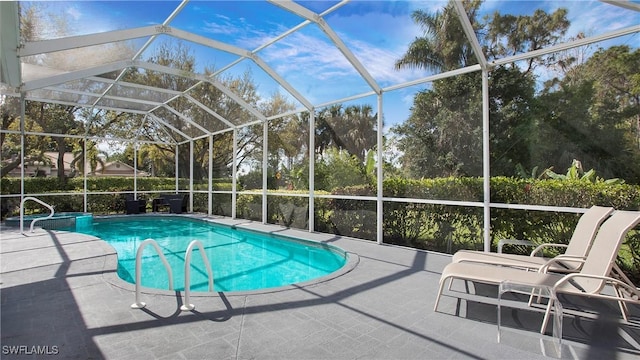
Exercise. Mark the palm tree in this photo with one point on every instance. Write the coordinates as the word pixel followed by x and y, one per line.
pixel 294 139
pixel 443 46
pixel 351 128
pixel 95 156
pixel 155 159
pixel 361 133
pixel 326 122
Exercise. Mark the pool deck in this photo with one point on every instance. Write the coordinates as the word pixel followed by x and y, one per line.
pixel 60 295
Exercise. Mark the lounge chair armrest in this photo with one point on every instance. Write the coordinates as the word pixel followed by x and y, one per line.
pixel 503 242
pixel 569 257
pixel 556 260
pixel 612 281
pixel 547 245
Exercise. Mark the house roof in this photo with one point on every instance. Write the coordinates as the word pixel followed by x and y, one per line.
pixel 67 159
pixel 117 168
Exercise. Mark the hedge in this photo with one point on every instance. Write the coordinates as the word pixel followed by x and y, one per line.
pixel 97 203
pixel 450 228
pixel 442 228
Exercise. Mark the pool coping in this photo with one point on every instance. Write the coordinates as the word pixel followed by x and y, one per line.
pixel 111 262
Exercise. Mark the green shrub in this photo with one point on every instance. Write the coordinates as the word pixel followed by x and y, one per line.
pixel 444 228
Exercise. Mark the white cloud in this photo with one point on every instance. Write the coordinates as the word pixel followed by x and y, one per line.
pixel 380 63
pixel 589 16
pixel 310 61
pixel 223 25
pixel 308 50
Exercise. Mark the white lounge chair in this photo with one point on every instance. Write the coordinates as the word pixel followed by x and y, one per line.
pixel 577 249
pixel 594 274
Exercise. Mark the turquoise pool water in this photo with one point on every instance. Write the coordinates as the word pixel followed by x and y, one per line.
pixel 241 260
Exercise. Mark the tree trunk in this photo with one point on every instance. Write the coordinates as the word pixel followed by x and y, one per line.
pixel 10 166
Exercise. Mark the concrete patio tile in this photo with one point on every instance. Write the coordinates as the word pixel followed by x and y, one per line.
pixel 381 309
pixel 212 350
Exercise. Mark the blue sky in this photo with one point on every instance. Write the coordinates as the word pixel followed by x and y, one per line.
pixel 377 32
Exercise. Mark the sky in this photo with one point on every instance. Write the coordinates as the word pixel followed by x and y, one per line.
pixel 376 32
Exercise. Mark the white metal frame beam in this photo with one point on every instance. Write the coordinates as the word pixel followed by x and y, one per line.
pixel 10 72
pixel 73 42
pixel 280 80
pixel 186 119
pixel 108 97
pixel 623 4
pixel 149 41
pixel 470 34
pixel 134 85
pixel 209 110
pixel 164 123
pixel 69 103
pixel 567 45
pixel 337 41
pixel 200 77
pixel 76 75
pixel 244 54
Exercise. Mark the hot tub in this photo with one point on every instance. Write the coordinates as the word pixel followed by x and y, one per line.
pixel 58 221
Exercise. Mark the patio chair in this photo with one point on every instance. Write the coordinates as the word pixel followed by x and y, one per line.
pixel 577 249
pixel 594 274
pixel 175 203
pixel 135 206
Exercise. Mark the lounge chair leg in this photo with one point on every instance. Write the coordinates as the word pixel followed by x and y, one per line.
pixel 545 320
pixel 533 293
pixel 435 307
pixel 623 305
pixel 538 297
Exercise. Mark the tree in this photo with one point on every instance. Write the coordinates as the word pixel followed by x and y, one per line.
pixel 442 136
pixel 151 158
pixel 180 56
pixel 293 138
pixel 335 169
pixel 36 23
pixel 444 45
pixel 287 139
pixel 436 129
pixel 94 157
pixel 591 114
pixel 510 35
pixel 352 129
pixel 10 150
pixel 512 123
pixel 361 130
pixel 617 83
pixel 56 119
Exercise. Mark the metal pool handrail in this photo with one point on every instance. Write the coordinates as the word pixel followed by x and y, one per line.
pixel 139 304
pixel 36 219
pixel 187 273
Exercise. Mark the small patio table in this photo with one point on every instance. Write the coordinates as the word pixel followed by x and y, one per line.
pixel 534 290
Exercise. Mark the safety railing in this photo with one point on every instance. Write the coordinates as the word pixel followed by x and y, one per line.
pixel 139 304
pixel 187 306
pixel 36 219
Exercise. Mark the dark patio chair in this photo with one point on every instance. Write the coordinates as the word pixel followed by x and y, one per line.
pixel 135 206
pixel 176 203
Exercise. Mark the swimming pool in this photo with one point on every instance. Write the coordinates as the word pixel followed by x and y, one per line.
pixel 241 260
